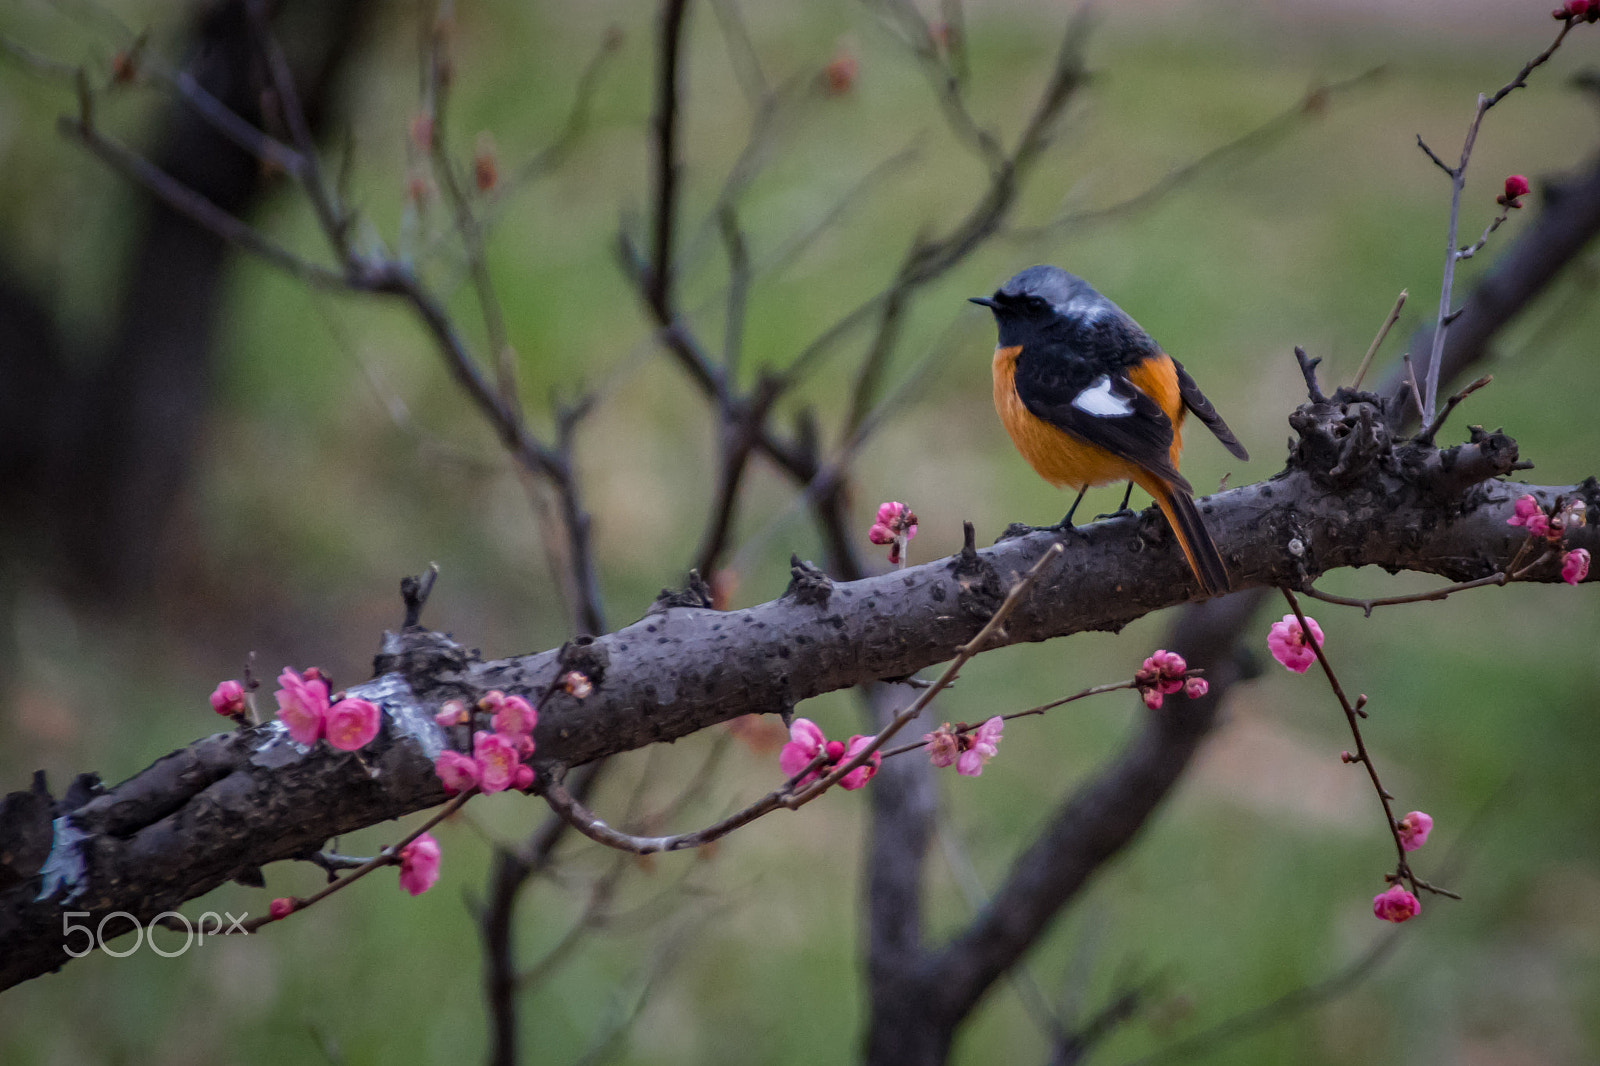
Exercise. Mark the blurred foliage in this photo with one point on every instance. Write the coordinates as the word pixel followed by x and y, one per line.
pixel 312 500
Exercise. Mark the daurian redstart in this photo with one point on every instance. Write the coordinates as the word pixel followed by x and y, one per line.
pixel 1090 399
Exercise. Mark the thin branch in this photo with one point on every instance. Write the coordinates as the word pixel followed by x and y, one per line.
pixel 389 856
pixel 199 210
pixel 1458 181
pixel 1353 714
pixel 330 215
pixel 1428 434
pixel 1498 578
pixel 1377 342
pixel 1256 140
pixel 1292 1003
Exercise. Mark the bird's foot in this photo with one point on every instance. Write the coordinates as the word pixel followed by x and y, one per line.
pixel 1126 512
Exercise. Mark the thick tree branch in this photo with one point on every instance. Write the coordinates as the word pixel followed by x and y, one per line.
pixel 226 805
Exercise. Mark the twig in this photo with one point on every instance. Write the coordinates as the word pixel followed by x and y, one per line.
pixel 1458 181
pixel 1291 1003
pixel 389 856
pixel 1353 713
pixel 1041 709
pixel 1256 140
pixel 1497 578
pixel 199 210
pixel 330 215
pixel 1427 435
pixel 791 794
pixel 1377 342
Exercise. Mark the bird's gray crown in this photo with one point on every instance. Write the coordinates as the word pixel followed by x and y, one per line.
pixel 1068 294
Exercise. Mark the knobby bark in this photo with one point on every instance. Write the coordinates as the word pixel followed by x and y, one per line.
pixel 221 808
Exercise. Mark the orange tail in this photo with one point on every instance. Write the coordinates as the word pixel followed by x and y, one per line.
pixel 1197 545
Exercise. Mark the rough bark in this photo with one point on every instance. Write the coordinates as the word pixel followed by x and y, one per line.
pixel 224 806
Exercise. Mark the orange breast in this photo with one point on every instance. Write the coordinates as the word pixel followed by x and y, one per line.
pixel 1067 461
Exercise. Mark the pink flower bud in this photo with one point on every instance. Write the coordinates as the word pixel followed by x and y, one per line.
pixel 1575 565
pixel 895 526
pixel 835 749
pixel 281 908
pixel 497 761
pixel 1152 697
pixel 228 699
pixel 523 779
pixel 1539 525
pixel 1289 645
pixel 1414 829
pixel 352 724
pixel 1516 184
pixel 452 713
pixel 302 704
pixel 1396 905
pixel 1195 687
pixel 840 73
pixel 485 167
pixel 419 864
pixel 457 772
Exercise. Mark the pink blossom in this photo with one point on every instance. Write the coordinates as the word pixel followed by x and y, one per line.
pixel 1414 829
pixel 1195 687
pixel 1570 9
pixel 985 746
pixel 457 772
pixel 1575 565
pixel 515 716
pixel 282 907
pixel 228 699
pixel 1289 645
pixel 943 746
pixel 419 864
pixel 806 742
pixel 302 705
pixel 1152 697
pixel 523 779
pixel 452 713
pixel 1516 184
pixel 351 724
pixel 1396 905
pixel 895 526
pixel 497 761
pixel 863 773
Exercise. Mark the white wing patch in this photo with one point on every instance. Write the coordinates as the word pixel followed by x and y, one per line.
pixel 1100 401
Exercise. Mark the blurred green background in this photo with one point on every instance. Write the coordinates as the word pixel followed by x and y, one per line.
pixel 312 498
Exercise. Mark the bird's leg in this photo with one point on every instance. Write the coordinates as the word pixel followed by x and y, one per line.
pixel 1123 511
pixel 1065 525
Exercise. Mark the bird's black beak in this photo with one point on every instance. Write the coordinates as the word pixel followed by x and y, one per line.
pixel 982 301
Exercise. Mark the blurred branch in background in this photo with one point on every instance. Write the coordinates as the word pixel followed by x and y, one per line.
pixel 96 445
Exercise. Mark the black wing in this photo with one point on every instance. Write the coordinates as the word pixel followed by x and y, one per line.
pixel 1196 401
pixel 1106 410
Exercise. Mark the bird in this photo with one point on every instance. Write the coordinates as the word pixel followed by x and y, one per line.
pixel 1089 398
